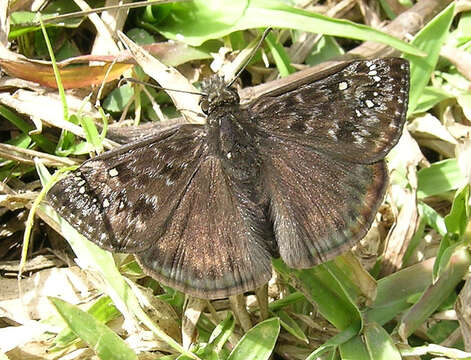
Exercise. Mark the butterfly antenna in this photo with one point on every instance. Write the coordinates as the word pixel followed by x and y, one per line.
pixel 264 35
pixel 158 87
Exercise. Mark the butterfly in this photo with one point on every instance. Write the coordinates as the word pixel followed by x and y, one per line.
pixel 298 173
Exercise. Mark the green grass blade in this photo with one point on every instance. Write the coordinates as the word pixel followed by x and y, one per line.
pixel 222 332
pixel 44 143
pixel 432 218
pixel 354 349
pixel 439 178
pixel 394 291
pixel 458 217
pixel 430 39
pixel 98 336
pixel 430 97
pixel 280 56
pixel 334 342
pixel 57 74
pixel 91 132
pixel 291 326
pixel 201 20
pixel 436 293
pixel 102 310
pixel 285 301
pixel 258 343
pixel 328 291
pixel 379 344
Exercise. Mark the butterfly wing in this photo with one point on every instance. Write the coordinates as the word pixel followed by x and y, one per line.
pixel 323 148
pixel 354 113
pixel 320 206
pixel 216 244
pixel 168 200
pixel 123 198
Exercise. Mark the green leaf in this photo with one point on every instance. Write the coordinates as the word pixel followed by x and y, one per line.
pixel 463 30
pixel 379 344
pixel 91 132
pixel 98 336
pixel 432 218
pixel 222 332
pixel 334 342
pixel 117 100
pixel 200 20
pixel 354 349
pixel 439 178
pixel 102 310
pixel 23 22
pixel 456 222
pixel 258 343
pixel 285 301
pixel 394 291
pixel 291 326
pixel 44 143
pixel 324 49
pixel 321 286
pixel 441 330
pixel 219 336
pixel 156 13
pixel 458 217
pixel 430 97
pixel 280 56
pixel 21 141
pixel 429 39
pixel 436 293
pixel 415 241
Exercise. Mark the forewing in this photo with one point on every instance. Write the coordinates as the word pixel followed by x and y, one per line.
pixel 122 199
pixel 354 113
pixel 320 205
pixel 217 242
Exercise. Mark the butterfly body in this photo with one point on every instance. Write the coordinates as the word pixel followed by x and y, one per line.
pixel 298 173
pixel 231 137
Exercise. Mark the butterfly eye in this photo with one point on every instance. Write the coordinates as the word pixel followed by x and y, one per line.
pixel 204 104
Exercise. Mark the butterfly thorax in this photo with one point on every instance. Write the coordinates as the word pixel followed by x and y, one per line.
pixel 231 136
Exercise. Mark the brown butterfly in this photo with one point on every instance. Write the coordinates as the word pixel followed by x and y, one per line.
pixel 297 173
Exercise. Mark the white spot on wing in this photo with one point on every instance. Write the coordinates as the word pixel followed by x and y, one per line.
pixel 357 139
pixel 332 134
pixel 106 203
pixel 113 172
pixel 343 85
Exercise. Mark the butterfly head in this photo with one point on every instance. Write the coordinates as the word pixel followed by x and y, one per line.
pixel 217 94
